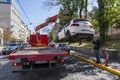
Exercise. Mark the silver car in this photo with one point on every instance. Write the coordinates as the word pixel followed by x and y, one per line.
pixel 9 48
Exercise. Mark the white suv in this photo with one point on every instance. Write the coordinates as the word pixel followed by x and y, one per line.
pixel 77 29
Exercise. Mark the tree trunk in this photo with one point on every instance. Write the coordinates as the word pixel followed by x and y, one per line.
pixel 81 8
pixel 86 3
pixel 101 20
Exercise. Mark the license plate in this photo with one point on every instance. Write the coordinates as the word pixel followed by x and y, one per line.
pixel 38 62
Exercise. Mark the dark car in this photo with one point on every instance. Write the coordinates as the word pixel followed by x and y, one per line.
pixel 61 46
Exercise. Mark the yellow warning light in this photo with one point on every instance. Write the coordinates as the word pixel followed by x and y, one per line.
pixel 62 60
pixel 14 64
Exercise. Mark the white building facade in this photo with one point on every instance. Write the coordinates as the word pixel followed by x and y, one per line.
pixel 10 17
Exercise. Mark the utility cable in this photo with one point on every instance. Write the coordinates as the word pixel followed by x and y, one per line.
pixel 24 12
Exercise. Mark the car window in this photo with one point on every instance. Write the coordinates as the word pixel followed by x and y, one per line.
pixel 64 27
pixel 19 44
pixel 79 20
pixel 12 44
pixel 86 22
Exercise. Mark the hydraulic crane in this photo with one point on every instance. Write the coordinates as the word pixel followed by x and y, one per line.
pixel 36 41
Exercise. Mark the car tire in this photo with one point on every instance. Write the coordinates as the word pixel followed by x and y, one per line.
pixel 68 36
pixel 89 38
pixel 4 53
pixel 57 39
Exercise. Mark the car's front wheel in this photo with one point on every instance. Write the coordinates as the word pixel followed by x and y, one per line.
pixel 4 53
pixel 57 39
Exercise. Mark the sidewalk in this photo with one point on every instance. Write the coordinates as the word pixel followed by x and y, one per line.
pixel 1 47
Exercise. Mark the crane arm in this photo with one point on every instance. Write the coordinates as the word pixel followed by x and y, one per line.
pixel 51 19
pixel 41 26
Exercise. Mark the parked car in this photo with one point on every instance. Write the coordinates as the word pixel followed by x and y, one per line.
pixel 52 44
pixel 9 48
pixel 20 46
pixel 61 46
pixel 77 28
pixel 25 45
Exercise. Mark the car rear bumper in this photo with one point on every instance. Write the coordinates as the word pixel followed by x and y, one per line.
pixel 83 35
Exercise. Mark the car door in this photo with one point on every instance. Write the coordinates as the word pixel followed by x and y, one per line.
pixel 61 33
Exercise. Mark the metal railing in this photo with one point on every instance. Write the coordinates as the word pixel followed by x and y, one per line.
pixel 113 53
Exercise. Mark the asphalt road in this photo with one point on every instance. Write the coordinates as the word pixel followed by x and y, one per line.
pixel 74 69
pixel 6 72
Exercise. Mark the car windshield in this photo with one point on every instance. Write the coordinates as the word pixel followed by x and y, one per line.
pixel 12 44
pixel 79 20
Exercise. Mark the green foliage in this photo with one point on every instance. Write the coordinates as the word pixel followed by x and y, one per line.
pixel 53 34
pixel 7 34
pixel 107 38
pixel 107 14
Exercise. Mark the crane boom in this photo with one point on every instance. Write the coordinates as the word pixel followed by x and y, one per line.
pixel 37 39
pixel 51 19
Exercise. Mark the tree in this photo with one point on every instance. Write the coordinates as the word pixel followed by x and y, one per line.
pixel 7 35
pixel 103 16
pixel 69 6
pixel 82 8
pixel 108 11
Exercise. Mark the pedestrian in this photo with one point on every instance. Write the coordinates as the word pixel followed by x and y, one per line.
pixel 97 50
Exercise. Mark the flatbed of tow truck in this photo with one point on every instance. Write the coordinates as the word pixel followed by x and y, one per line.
pixel 38 53
pixel 33 58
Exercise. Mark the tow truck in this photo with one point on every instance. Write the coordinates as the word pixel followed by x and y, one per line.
pixel 39 55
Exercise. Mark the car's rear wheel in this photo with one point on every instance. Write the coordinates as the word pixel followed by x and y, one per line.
pixel 57 38
pixel 89 39
pixel 4 53
pixel 68 36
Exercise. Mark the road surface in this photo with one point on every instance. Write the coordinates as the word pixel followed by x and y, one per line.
pixel 74 69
